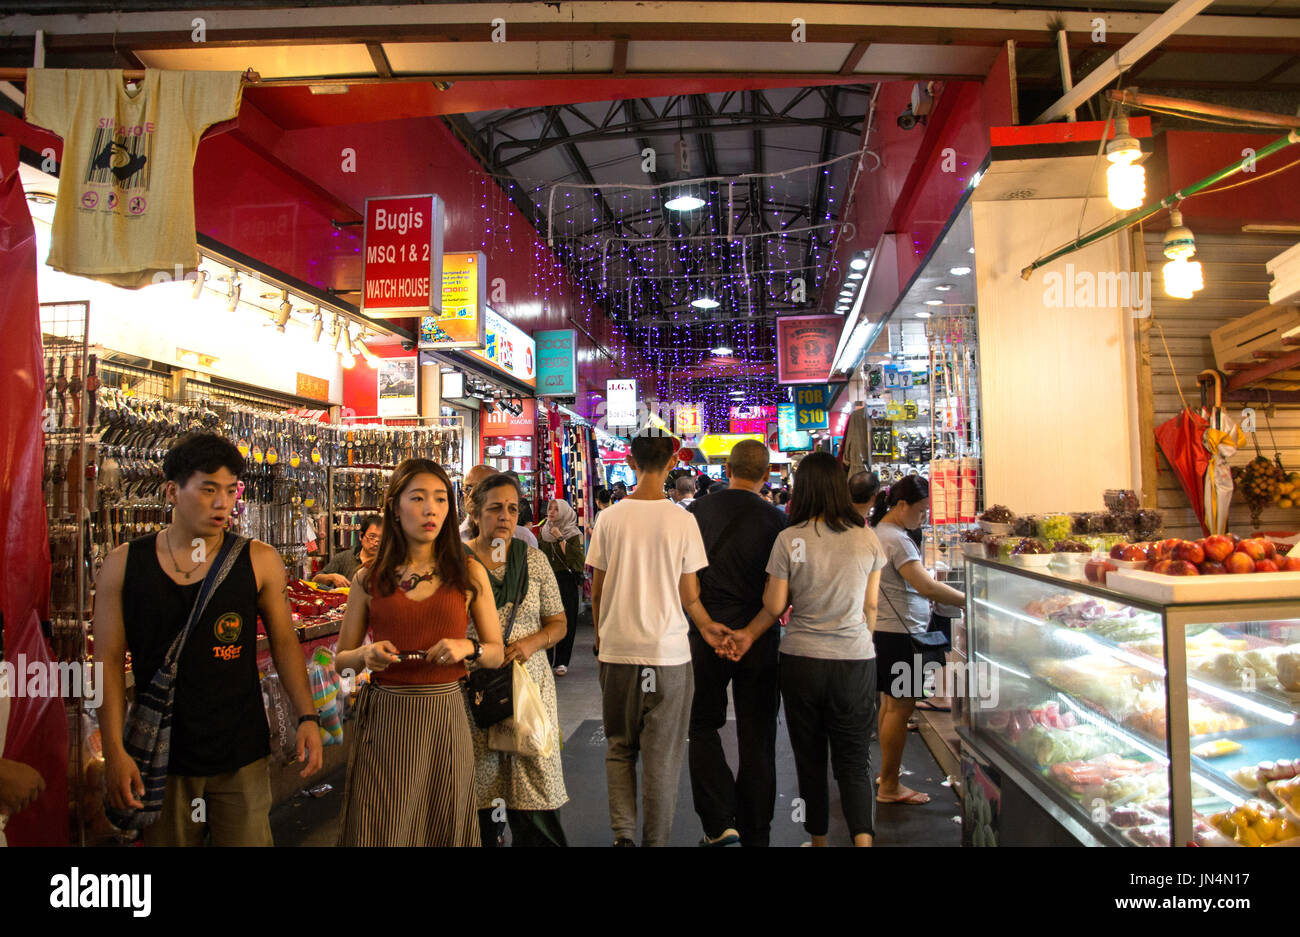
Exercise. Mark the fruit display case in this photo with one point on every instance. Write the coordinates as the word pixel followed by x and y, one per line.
pixel 1117 720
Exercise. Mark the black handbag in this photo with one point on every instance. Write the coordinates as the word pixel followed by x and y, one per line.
pixel 491 693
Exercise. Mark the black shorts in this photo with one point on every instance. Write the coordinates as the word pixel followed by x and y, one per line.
pixel 900 664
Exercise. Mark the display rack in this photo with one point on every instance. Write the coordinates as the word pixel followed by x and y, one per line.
pixel 64 339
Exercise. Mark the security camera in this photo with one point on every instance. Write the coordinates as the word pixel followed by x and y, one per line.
pixel 907 120
pixel 408 345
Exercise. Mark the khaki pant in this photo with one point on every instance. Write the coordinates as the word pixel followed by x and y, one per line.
pixel 232 808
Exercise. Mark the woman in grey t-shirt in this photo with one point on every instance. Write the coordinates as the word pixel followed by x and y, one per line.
pixel 906 591
pixel 827 565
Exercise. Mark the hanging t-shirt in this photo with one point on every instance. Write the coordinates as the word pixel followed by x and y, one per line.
pixel 645 547
pixel 125 210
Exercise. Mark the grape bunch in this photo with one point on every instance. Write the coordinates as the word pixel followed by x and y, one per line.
pixel 1260 483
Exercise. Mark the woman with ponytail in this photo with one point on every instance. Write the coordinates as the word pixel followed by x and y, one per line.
pixel 906 591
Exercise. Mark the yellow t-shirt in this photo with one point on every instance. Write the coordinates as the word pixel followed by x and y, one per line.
pixel 125 210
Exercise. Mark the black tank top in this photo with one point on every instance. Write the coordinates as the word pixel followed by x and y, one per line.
pixel 219 721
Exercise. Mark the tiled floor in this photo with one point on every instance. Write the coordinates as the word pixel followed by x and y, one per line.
pixel 314 821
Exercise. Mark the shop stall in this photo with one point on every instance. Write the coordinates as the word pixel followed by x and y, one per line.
pixel 1102 718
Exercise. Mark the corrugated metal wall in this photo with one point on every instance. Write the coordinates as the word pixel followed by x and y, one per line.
pixel 1236 283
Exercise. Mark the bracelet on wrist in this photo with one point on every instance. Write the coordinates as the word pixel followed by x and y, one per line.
pixel 310 717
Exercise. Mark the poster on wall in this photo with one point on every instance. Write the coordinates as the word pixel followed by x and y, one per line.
pixel 460 322
pixel 508 349
pixel 805 348
pixel 402 250
pixel 620 402
pixel 789 438
pixel 397 387
pixel 557 363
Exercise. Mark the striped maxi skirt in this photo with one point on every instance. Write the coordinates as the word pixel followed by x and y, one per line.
pixel 410 779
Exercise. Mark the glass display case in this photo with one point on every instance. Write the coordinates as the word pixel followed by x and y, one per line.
pixel 1128 722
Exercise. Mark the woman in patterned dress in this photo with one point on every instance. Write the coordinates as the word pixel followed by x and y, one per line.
pixel 531 787
pixel 410 778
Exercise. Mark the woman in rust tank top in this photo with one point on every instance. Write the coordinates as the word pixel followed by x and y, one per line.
pixel 410 779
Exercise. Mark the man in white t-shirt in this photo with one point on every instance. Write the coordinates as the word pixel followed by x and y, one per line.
pixel 645 552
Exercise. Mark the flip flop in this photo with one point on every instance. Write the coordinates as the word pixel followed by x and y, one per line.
pixel 916 798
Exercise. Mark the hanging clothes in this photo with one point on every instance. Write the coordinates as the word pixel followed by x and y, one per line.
pixel 855 451
pixel 125 210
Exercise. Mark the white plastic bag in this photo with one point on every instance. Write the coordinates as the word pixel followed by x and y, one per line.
pixel 529 731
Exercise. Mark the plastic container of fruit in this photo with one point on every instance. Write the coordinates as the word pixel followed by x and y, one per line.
pixel 1035 560
pixel 972 549
pixel 1128 564
pixel 998 530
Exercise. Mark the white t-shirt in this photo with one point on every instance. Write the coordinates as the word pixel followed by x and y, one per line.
pixel 645 547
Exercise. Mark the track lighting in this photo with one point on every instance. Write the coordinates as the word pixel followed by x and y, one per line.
pixel 349 354
pixel 200 278
pixel 318 325
pixel 338 333
pixel 372 359
pixel 232 293
pixel 286 310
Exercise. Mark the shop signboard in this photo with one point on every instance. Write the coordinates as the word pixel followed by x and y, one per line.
pixel 751 419
pixel 508 349
pixel 453 385
pixel 810 407
pixel 620 402
pixel 402 252
pixel 557 363
pixel 460 322
pixel 396 377
pixel 789 438
pixel 805 348
pixel 688 419
pixel 312 387
pixel 499 422
pixel 719 445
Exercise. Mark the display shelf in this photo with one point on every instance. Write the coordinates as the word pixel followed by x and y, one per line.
pixel 1096 685
pixel 325 629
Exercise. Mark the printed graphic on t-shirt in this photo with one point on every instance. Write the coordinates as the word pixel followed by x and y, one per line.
pixel 122 164
pixel 227 630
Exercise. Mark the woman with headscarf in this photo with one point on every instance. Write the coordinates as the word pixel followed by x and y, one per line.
pixel 561 541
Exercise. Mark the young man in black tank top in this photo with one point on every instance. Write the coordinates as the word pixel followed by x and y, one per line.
pixel 218 778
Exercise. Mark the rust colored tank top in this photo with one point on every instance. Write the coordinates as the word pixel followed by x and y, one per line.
pixel 418 626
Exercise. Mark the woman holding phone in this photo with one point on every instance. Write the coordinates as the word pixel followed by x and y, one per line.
pixel 416 600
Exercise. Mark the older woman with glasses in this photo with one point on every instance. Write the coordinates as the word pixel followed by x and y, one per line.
pixel 343 566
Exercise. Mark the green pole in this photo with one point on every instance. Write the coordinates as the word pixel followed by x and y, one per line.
pixel 1168 201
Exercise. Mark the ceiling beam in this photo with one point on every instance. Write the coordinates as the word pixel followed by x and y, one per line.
pixel 380 59
pixel 620 55
pixel 854 57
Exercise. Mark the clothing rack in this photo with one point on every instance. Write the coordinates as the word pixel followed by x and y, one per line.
pixel 130 74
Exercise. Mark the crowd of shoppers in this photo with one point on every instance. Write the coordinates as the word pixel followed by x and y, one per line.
pixel 687 592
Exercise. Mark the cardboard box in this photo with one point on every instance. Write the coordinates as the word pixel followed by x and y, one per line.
pixel 1262 330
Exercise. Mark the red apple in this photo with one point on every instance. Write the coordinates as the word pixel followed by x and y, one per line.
pixel 1252 548
pixel 1162 567
pixel 1218 547
pixel 1164 550
pixel 1265 566
pixel 1213 568
pixel 1273 550
pixel 1182 568
pixel 1117 551
pixel 1096 570
pixel 1133 553
pixel 1189 551
pixel 1291 564
pixel 1239 562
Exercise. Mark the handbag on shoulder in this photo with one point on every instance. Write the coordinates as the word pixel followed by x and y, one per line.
pixel 491 692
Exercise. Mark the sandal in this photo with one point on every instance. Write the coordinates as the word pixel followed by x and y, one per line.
pixel 912 798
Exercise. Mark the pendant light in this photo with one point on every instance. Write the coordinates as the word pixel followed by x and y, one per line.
pixel 1126 180
pixel 1183 276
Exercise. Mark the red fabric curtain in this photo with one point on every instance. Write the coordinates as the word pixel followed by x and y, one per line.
pixel 38 732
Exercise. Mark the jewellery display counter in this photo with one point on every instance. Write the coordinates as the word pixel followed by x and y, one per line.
pixel 1102 719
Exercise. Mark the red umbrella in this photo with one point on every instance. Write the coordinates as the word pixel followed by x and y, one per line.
pixel 1180 440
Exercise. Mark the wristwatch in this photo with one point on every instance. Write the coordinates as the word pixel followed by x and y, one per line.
pixel 478 650
pixel 310 717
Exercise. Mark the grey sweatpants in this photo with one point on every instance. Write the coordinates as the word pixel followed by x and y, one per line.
pixel 647 710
